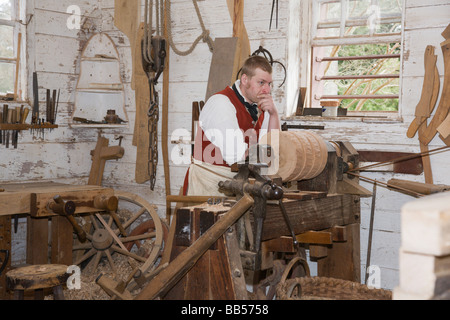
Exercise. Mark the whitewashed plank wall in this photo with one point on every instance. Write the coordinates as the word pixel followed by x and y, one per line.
pixel 63 154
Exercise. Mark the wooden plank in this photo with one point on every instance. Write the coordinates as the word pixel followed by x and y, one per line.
pixel 165 117
pixel 235 265
pixel 83 199
pixel 310 215
pixel 221 73
pixel 220 273
pixel 305 195
pixel 198 280
pixel 343 258
pixel 236 8
pixel 127 15
pixel 285 244
pixel 409 166
pixel 37 240
pixel 317 251
pixel 339 233
pixel 61 241
pixel 16 198
pixel 142 97
pixel 5 244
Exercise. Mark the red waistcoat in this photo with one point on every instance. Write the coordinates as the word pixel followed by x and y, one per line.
pixel 210 153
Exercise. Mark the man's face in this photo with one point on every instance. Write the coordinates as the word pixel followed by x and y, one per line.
pixel 256 87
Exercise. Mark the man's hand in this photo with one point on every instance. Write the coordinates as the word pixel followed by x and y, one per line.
pixel 266 103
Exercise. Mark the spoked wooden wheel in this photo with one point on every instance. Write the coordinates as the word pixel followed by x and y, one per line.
pixel 114 233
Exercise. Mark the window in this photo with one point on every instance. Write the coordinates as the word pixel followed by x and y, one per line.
pixel 12 34
pixel 356 47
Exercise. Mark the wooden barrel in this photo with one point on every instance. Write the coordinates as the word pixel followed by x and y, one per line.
pixel 299 155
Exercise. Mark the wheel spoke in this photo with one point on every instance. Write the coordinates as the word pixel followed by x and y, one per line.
pixel 133 218
pixel 132 209
pixel 139 237
pixel 82 246
pixel 96 261
pixel 94 222
pixel 87 255
pixel 128 253
pixel 110 260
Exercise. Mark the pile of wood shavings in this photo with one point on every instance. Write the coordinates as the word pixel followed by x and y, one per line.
pixel 90 290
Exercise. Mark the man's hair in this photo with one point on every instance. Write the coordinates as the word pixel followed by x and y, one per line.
pixel 254 62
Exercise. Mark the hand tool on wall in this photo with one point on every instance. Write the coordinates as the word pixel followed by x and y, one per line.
pixel 35 114
pixel 274 7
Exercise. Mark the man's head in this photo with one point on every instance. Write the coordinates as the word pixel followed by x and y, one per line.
pixel 256 78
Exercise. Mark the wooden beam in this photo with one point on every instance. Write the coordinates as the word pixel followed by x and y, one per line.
pixel 221 72
pixel 236 8
pixel 168 277
pixel 127 15
pixel 342 260
pixel 165 116
pixel 311 215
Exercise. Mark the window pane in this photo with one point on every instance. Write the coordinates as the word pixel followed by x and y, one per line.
pixel 328 32
pixel 330 11
pixel 370 105
pixel 385 28
pixel 7 71
pixel 5 9
pixel 390 7
pixel 358 8
pixel 350 73
pixel 6 42
pixel 364 66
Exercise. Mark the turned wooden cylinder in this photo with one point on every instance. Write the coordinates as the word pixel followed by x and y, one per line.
pixel 298 155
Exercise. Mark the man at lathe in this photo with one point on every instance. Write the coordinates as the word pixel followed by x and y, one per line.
pixel 230 122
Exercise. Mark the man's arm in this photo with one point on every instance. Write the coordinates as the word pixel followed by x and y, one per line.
pixel 266 104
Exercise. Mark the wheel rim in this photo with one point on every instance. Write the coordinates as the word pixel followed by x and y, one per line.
pixel 107 239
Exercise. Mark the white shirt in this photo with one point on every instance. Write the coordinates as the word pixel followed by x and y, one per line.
pixel 219 123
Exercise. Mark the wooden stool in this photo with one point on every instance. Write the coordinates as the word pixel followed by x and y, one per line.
pixel 37 278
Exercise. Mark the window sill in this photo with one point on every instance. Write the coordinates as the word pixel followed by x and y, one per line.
pixel 378 118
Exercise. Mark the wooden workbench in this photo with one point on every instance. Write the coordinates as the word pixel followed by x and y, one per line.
pixel 43 226
pixel 32 198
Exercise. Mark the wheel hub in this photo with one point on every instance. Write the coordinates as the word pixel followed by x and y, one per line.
pixel 101 239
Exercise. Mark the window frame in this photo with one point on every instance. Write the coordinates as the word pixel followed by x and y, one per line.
pixel 316 41
pixel 18 22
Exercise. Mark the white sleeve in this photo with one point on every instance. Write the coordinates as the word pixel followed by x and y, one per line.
pixel 219 123
pixel 265 125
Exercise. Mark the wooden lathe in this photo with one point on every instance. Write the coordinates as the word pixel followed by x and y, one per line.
pixel 267 243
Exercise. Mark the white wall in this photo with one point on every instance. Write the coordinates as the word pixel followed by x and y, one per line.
pixel 63 154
